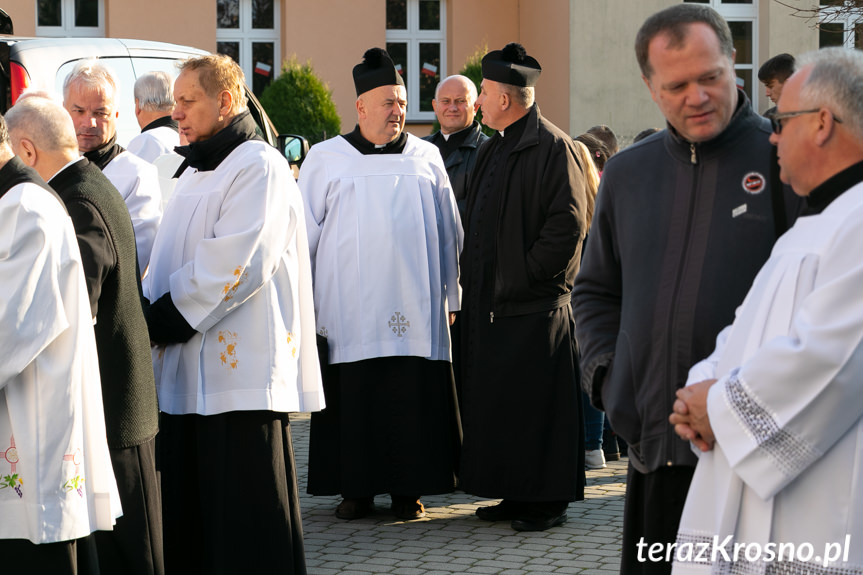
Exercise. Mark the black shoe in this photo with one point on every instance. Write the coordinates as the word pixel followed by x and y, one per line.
pixel 407 508
pixel 538 524
pixel 503 511
pixel 355 508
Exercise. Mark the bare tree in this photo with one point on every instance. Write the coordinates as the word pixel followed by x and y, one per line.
pixel 830 16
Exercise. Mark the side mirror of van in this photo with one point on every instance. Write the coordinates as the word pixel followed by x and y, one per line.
pixel 295 148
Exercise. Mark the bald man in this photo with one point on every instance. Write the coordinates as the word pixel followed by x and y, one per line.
pixel 460 135
pixel 43 136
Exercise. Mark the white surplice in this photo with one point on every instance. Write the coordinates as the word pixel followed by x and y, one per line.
pixel 385 237
pixel 138 182
pixel 233 251
pixel 787 468
pixel 154 142
pixel 56 478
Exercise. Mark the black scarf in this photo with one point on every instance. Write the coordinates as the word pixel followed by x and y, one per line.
pixel 365 147
pixel 165 121
pixel 103 156
pixel 206 155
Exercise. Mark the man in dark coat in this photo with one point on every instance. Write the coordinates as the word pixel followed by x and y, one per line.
pixel 526 219
pixel 43 136
pixel 460 135
pixel 683 221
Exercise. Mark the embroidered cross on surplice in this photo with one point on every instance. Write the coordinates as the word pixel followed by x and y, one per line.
pixel 398 324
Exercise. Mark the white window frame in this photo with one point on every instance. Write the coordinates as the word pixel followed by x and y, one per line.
pixel 743 13
pixel 246 35
pixel 413 37
pixel 68 29
pixel 829 15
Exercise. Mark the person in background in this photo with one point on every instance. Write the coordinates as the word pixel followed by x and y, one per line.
pixel 154 101
pixel 773 74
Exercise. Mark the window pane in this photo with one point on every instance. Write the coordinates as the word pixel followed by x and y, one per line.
pixel 398 51
pixel 263 14
pixel 831 34
pixel 736 1
pixel 262 60
pixel 87 13
pixel 429 14
pixel 231 49
pixel 228 14
pixel 858 35
pixel 49 13
pixel 429 73
pixel 741 33
pixel 397 15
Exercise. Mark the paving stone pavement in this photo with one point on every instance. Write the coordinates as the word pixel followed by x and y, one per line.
pixel 452 540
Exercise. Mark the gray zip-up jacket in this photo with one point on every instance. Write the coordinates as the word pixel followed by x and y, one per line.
pixel 679 232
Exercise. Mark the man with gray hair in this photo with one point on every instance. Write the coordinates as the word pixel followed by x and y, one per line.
pixel 526 220
pixel 90 96
pixel 684 220
pixel 775 410
pixel 43 136
pixel 154 100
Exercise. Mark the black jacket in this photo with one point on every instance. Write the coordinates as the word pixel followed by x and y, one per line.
pixel 541 221
pixel 107 242
pixel 460 163
pixel 679 232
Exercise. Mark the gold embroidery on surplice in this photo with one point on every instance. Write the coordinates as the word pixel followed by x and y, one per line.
pixel 398 324
pixel 229 357
pixel 230 289
pixel 293 347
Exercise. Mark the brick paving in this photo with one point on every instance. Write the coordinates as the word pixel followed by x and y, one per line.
pixel 452 540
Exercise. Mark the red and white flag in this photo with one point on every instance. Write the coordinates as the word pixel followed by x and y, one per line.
pixel 399 69
pixel 428 69
pixel 263 69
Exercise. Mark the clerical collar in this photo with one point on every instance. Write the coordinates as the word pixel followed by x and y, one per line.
pixel 516 129
pixel 103 156
pixel 164 121
pixel 456 139
pixel 366 148
pixel 821 197
pixel 205 156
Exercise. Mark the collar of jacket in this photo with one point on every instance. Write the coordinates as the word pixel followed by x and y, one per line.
pixel 206 155
pixel 530 136
pixel 742 121
pixel 472 139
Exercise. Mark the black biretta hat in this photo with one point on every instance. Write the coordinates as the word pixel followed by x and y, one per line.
pixel 512 66
pixel 376 69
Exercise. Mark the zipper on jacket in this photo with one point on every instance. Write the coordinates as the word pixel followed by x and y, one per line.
pixel 692 157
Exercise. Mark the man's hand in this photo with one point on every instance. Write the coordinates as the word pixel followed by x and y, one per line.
pixel 451 317
pixel 690 419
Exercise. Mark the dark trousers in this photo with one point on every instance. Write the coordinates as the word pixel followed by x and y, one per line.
pixel 134 547
pixel 651 514
pixel 61 558
pixel 229 494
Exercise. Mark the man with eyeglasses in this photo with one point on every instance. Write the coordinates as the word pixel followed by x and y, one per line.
pixel 776 408
pixel 683 222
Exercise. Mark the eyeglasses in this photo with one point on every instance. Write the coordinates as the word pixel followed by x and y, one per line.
pixel 776 119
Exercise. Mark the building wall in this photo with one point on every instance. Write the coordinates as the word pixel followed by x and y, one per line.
pixel 333 35
pixel 605 83
pixel 23 14
pixel 186 23
pixel 544 32
pixel 781 31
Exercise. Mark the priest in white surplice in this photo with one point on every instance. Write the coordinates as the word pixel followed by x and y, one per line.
pixel 385 236
pixel 777 409
pixel 90 96
pixel 56 480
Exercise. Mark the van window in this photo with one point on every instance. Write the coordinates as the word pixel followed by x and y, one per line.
pixel 127 124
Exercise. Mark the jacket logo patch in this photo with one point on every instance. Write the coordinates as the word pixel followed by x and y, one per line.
pixel 753 183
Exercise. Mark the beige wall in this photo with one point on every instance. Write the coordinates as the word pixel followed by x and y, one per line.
pixel 605 83
pixel 23 14
pixel 781 31
pixel 175 21
pixel 545 34
pixel 333 34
